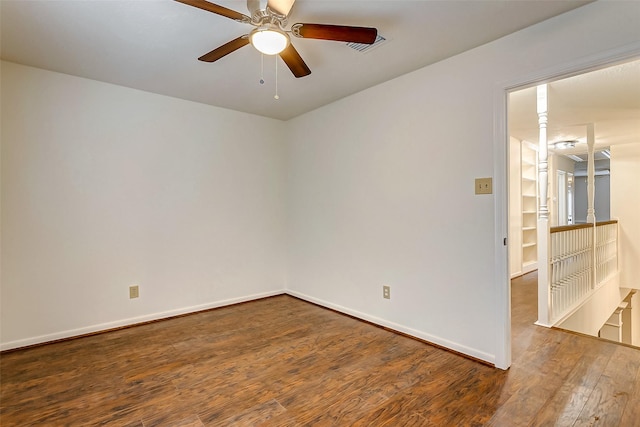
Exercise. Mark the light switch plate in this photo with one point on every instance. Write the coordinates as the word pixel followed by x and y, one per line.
pixel 134 291
pixel 484 185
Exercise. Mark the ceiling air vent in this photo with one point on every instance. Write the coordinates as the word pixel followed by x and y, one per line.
pixel 361 47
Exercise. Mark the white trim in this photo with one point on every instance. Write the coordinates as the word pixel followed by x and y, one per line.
pixel 132 321
pixel 501 139
pixel 399 328
pixel 574 68
pixel 501 215
pixel 194 309
pixel 529 267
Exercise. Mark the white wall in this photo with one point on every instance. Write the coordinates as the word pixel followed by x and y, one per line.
pixel 593 314
pixel 563 163
pixel 105 186
pixel 625 207
pixel 635 319
pixel 381 184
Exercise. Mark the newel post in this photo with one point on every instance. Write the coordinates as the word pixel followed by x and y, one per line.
pixel 544 297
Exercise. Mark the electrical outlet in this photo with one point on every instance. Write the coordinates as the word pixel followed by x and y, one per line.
pixel 134 292
pixel 386 292
pixel 484 186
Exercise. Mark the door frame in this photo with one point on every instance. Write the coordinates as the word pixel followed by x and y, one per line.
pixel 501 172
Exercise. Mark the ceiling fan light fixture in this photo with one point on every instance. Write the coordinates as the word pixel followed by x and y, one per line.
pixel 269 40
pixel 563 145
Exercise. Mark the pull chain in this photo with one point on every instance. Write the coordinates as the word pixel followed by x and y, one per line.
pixel 262 68
pixel 276 95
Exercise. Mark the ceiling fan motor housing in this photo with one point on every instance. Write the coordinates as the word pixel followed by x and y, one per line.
pixel 266 16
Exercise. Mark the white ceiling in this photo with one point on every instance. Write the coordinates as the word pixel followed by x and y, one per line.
pixel 154 45
pixel 608 98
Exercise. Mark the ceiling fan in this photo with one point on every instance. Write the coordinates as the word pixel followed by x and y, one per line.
pixel 270 36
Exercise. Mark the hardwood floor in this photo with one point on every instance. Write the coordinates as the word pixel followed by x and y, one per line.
pixel 283 362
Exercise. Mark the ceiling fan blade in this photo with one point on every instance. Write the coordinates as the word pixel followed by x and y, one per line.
pixel 225 49
pixel 220 10
pixel 341 33
pixel 294 61
pixel 282 7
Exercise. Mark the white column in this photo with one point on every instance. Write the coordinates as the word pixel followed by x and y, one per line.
pixel 591 187
pixel 543 212
pixel 591 192
pixel 543 154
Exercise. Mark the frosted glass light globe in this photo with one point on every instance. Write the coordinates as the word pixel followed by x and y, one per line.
pixel 269 41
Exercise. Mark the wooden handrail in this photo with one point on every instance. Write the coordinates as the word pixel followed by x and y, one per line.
pixel 579 226
pixel 612 221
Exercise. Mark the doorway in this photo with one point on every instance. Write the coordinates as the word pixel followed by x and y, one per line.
pixel 595 96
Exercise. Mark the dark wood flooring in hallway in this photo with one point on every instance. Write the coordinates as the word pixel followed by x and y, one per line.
pixel 284 362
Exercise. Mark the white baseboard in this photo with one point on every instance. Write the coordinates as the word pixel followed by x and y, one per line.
pixel 201 307
pixel 131 321
pixel 472 352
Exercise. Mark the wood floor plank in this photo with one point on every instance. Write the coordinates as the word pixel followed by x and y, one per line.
pixel 631 412
pixel 368 375
pixel 192 421
pixel 564 408
pixel 390 413
pixel 284 362
pixel 478 387
pixel 612 392
pixel 257 415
